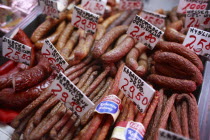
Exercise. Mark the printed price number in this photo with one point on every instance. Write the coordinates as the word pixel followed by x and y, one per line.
pixel 84 23
pixel 16 55
pixel 154 20
pixel 52 60
pixel 125 5
pixel 197 5
pixel 134 93
pixel 49 7
pixel 200 45
pixel 137 33
pixel 50 11
pixel 64 96
pixel 95 6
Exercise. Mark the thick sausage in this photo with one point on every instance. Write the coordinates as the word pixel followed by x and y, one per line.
pixel 173 35
pixel 181 50
pixel 172 83
pixel 100 47
pixel 117 53
pixel 181 63
pixel 109 20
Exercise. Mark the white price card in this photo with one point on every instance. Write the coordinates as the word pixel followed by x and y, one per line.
pixel 84 19
pixel 191 4
pixel 198 41
pixel 144 32
pixel 53 56
pixel 49 7
pixel 136 89
pixel 16 51
pixel 156 19
pixel 130 4
pixel 95 6
pixel 168 135
pixel 70 95
pixel 197 18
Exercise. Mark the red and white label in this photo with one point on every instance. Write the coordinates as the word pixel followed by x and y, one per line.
pixel 94 6
pixel 53 56
pixel 191 4
pixel 130 4
pixel 49 7
pixel 198 19
pixel 144 32
pixel 198 41
pixel 84 19
pixel 129 131
pixel 156 19
pixel 136 89
pixel 70 95
pixel 16 51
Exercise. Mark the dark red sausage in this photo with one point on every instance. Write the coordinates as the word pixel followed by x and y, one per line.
pixel 6 67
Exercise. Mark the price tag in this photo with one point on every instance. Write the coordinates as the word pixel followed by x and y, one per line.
pixel 198 41
pixel 94 6
pixel 53 56
pixel 84 19
pixel 110 105
pixel 70 95
pixel 16 51
pixel 144 32
pixel 49 7
pixel 130 4
pixel 191 4
pixel 156 19
pixel 136 89
pixel 168 135
pixel 129 131
pixel 197 18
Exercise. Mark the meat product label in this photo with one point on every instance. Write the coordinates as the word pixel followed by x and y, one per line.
pixel 168 135
pixel 130 4
pixel 49 7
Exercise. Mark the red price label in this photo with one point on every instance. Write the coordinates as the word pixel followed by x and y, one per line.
pixel 94 6
pixel 144 32
pixel 53 56
pixel 196 5
pixel 16 51
pixel 198 41
pixel 154 18
pixel 84 19
pixel 136 89
pixel 127 5
pixel 70 95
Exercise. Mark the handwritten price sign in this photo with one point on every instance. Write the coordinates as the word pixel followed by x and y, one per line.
pixel 136 89
pixel 191 4
pixel 197 18
pixel 157 20
pixel 130 4
pixel 49 7
pixel 94 6
pixel 84 19
pixel 144 32
pixel 198 41
pixel 70 95
pixel 54 57
pixel 16 51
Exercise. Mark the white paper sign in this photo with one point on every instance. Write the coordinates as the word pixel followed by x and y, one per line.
pixel 156 19
pixel 168 135
pixel 53 56
pixel 191 4
pixel 49 7
pixel 197 18
pixel 95 6
pixel 130 4
pixel 70 95
pixel 136 89
pixel 84 19
pixel 198 41
pixel 16 51
pixel 144 32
